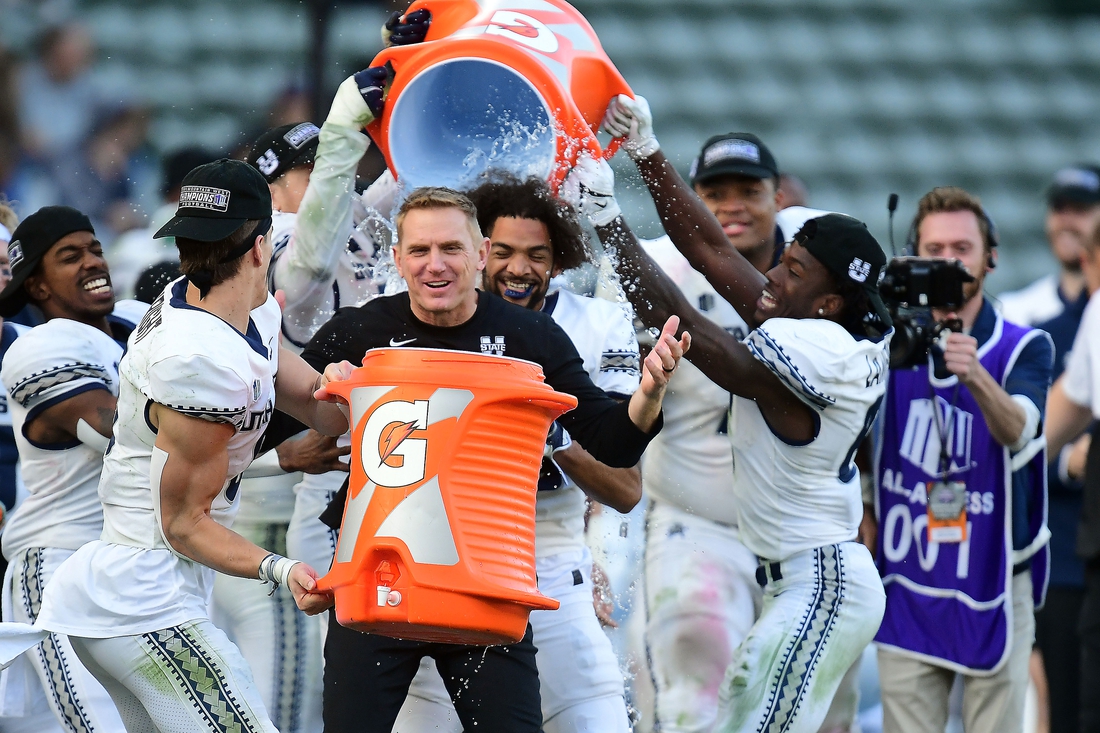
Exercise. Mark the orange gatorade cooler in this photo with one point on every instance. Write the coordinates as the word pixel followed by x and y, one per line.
pixel 519 85
pixel 438 535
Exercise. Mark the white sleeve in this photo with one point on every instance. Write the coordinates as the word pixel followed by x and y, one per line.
pixel 800 356
pixel 131 311
pixel 196 386
pixel 305 266
pixel 1079 381
pixel 53 363
pixel 620 363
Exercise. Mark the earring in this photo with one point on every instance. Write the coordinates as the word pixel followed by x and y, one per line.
pixel 821 311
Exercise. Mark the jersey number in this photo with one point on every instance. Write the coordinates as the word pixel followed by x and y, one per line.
pixel 848 465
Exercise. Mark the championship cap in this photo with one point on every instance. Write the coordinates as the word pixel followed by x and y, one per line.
pixel 30 242
pixel 282 148
pixel 1077 184
pixel 216 199
pixel 733 154
pixel 848 250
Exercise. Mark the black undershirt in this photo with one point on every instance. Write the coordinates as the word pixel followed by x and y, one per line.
pixel 599 423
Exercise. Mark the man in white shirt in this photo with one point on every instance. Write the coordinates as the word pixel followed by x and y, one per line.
pixel 1073 212
pixel 806 385
pixel 197 390
pixel 1074 403
pixel 63 377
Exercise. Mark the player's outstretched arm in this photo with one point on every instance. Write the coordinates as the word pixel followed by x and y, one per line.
pixel 325 215
pixel 656 298
pixel 687 221
pixel 189 464
pixel 295 386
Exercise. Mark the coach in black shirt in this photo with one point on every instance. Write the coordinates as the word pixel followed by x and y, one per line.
pixel 440 254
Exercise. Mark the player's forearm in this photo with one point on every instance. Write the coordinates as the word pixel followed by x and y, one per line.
pixel 1065 420
pixel 203 540
pixel 187 484
pixel 644 409
pixel 650 291
pixel 699 237
pixel 295 385
pixel 655 297
pixel 1005 418
pixel 324 216
pixel 618 488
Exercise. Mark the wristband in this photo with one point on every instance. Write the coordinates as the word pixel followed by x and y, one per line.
pixel 275 569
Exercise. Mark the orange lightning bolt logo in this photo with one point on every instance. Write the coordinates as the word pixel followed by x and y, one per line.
pixel 395 436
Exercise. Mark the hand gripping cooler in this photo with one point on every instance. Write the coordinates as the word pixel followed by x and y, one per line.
pixel 438 535
pixel 519 85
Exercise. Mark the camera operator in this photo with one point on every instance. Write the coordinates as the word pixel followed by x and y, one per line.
pixel 961 498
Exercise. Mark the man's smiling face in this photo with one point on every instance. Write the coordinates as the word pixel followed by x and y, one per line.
pixel 439 258
pixel 521 261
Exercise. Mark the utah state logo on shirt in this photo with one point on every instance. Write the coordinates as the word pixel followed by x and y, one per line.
pixel 492 345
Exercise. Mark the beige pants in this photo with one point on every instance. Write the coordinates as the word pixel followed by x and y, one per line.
pixel 914 693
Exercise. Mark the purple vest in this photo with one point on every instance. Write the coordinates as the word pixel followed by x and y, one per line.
pixel 951 602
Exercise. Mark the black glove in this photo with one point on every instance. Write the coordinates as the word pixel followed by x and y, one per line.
pixel 412 28
pixel 372 85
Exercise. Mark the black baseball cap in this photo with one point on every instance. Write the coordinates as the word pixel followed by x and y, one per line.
pixel 216 199
pixel 282 148
pixel 733 154
pixel 848 250
pixel 1077 184
pixel 30 242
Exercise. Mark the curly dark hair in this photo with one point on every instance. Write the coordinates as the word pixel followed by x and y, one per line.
pixel 503 194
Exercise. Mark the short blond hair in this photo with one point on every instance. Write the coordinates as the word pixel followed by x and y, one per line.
pixel 439 197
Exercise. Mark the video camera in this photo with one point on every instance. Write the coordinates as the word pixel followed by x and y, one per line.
pixel 911 287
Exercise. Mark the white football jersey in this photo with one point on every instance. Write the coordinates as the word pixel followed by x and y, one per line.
pixel 689 463
pixel 604 337
pixel 324 256
pixel 1082 376
pixel 1040 301
pixel 792 497
pixel 49 364
pixel 191 361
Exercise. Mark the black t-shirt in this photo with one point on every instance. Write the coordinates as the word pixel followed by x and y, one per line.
pixel 599 423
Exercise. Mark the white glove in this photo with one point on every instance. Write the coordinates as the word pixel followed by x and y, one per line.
pixel 590 188
pixel 631 119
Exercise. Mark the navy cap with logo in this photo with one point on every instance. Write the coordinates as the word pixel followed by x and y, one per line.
pixel 1077 184
pixel 733 154
pixel 30 242
pixel 282 148
pixel 216 199
pixel 848 250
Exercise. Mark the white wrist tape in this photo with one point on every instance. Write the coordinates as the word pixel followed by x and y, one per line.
pixel 90 437
pixel 275 569
pixel 641 148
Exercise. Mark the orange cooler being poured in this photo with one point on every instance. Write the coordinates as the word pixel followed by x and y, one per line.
pixel 518 85
pixel 437 540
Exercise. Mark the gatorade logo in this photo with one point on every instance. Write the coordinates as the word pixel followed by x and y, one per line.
pixel 391 456
pixel 523 29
